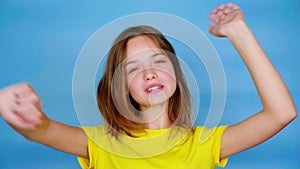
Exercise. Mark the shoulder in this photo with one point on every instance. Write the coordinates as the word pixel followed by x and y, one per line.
pixel 94 131
pixel 205 134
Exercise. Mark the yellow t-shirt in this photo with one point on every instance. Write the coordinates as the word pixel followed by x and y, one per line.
pixel 197 149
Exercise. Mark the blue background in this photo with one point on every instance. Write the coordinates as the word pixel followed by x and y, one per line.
pixel 41 40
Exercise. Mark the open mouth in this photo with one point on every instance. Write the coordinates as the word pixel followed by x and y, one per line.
pixel 153 88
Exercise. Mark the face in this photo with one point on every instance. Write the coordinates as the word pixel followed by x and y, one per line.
pixel 150 73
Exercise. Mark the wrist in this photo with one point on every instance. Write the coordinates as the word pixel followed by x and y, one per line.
pixel 237 30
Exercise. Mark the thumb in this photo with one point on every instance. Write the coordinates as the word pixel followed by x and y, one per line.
pixel 211 29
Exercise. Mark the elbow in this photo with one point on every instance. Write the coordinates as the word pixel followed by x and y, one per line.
pixel 293 115
pixel 288 116
pixel 283 115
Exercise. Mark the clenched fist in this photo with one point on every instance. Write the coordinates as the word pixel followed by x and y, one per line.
pixel 20 106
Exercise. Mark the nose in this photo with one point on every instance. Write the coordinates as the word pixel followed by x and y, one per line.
pixel 149 74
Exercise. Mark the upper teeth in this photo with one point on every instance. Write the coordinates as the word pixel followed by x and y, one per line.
pixel 153 88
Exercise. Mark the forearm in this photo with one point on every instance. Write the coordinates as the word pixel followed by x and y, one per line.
pixel 59 136
pixel 65 138
pixel 39 131
pixel 271 88
pixel 278 107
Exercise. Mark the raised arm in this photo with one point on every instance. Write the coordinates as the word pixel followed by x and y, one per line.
pixel 20 107
pixel 278 107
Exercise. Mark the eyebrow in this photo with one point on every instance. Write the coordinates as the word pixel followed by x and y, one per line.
pixel 152 56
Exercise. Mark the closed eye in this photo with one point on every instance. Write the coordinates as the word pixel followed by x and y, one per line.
pixel 160 61
pixel 133 69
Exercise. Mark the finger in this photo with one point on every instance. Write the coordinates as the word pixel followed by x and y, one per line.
pixel 211 29
pixel 23 124
pixel 233 6
pixel 214 18
pixel 221 7
pixel 220 13
pixel 21 88
pixel 227 11
pixel 24 90
pixel 7 100
pixel 28 98
pixel 25 94
pixel 29 114
pixel 215 10
pixel 18 122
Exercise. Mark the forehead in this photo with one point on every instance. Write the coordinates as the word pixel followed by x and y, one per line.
pixel 140 43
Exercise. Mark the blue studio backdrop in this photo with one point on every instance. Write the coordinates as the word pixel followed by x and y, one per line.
pixel 41 40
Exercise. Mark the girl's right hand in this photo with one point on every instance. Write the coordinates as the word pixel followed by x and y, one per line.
pixel 20 106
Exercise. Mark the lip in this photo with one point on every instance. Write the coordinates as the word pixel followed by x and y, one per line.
pixel 158 87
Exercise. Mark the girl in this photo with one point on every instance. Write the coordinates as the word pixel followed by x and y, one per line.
pixel 154 100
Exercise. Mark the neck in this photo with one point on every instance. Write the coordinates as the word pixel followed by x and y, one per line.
pixel 156 117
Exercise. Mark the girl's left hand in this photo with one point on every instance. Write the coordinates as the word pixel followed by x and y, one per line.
pixel 225 17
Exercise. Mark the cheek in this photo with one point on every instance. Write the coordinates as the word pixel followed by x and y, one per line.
pixel 170 77
pixel 169 74
pixel 172 73
pixel 168 70
pixel 134 85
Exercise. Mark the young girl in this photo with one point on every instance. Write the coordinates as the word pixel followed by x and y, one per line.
pixel 146 106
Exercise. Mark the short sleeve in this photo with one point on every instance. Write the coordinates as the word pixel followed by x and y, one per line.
pixel 212 137
pixel 88 163
pixel 217 147
pixel 84 162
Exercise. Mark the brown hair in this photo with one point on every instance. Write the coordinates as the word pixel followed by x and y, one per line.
pixel 179 107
